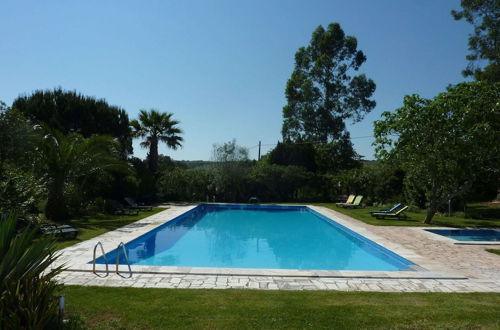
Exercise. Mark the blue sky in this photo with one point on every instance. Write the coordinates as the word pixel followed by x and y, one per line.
pixel 221 66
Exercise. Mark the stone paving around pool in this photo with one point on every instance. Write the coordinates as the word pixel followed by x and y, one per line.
pixel 443 266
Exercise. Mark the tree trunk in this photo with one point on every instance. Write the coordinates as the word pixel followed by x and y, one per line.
pixel 153 155
pixel 430 213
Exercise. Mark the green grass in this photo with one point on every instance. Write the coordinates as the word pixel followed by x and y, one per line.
pixel 90 227
pixel 130 308
pixel 495 251
pixel 491 217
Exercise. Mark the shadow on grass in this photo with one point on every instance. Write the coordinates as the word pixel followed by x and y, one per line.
pixel 483 212
pixel 90 227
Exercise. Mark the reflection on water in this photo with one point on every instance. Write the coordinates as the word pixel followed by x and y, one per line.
pixel 256 238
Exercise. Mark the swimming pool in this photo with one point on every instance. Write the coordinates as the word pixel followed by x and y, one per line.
pixel 486 235
pixel 255 236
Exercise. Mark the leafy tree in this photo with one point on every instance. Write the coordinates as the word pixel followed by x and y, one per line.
pixel 16 136
pixel 154 127
pixel 20 190
pixel 443 143
pixel 337 156
pixel 68 159
pixel 71 112
pixel 379 182
pixel 231 166
pixel 301 154
pixel 277 183
pixel 484 43
pixel 27 285
pixel 322 93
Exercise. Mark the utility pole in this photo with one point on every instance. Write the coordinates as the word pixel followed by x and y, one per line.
pixel 259 151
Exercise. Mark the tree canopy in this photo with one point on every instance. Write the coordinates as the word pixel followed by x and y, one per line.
pixel 16 136
pixel 71 112
pixel 443 143
pixel 154 127
pixel 230 166
pixel 322 92
pixel 293 154
pixel 71 159
pixel 484 42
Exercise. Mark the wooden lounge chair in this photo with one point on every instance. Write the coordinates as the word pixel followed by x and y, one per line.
pixel 132 204
pixel 349 201
pixel 117 207
pixel 355 204
pixel 390 210
pixel 399 214
pixel 65 231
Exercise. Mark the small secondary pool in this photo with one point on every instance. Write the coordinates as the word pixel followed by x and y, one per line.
pixel 469 234
pixel 248 236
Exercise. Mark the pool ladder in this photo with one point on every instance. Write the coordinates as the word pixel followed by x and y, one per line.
pixel 117 271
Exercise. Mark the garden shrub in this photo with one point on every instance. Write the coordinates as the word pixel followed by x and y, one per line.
pixel 27 286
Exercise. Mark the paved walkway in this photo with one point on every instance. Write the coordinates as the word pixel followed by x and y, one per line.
pixel 444 266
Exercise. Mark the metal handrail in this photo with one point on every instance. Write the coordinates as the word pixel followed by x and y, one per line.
pixel 105 259
pixel 126 259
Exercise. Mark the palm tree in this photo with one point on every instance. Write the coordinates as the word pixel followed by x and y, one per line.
pixel 65 159
pixel 154 126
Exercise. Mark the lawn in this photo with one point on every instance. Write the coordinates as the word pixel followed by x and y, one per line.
pixel 131 308
pixel 478 216
pixel 90 227
pixel 495 251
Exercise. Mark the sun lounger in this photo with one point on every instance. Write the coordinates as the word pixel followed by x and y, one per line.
pixel 132 204
pixel 355 204
pixel 399 214
pixel 117 207
pixel 65 231
pixel 390 210
pixel 349 200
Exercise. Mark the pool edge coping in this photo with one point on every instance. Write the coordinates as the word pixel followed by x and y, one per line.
pixel 449 240
pixel 425 269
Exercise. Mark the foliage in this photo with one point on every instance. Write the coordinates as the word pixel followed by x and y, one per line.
pixel 103 307
pixel 443 143
pixel 146 182
pixel 296 154
pixel 27 285
pixel 155 127
pixel 179 184
pixel 194 164
pixel 71 159
pixel 70 112
pixel 17 137
pixel 337 156
pixel 332 157
pixel 321 93
pixel 236 181
pixel 272 182
pixel 484 43
pixel 20 190
pixel 231 165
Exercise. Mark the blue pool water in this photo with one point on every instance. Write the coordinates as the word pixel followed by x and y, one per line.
pixel 469 234
pixel 272 237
